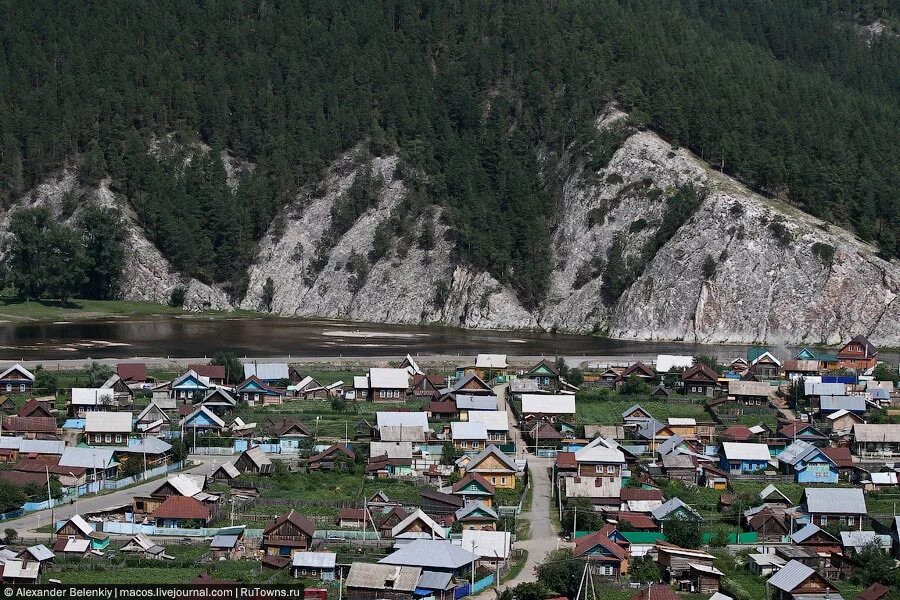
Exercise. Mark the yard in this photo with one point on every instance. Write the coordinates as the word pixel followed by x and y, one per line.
pixel 605 407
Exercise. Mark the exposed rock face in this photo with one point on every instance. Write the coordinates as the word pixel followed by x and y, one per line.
pixel 742 269
pixel 147 274
pixel 760 291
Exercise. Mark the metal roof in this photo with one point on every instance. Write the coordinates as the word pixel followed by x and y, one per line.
pixel 817 388
pixel 494 451
pixel 796 452
pixel 835 500
pixel 804 533
pixel 315 560
pixel 790 576
pixel 851 403
pixel 464 430
pixel 870 432
pixel 468 509
pixel 40 552
pixel 89 458
pixel 494 420
pixel 434 580
pixel 92 396
pixel 664 510
pixel 667 362
pixel 746 451
pixel 391 449
pixel 435 529
pixel 388 378
pixel 148 445
pixel 475 403
pixel 383 576
pixel 552 404
pixel 224 541
pixel 402 419
pixel 437 554
pixel 491 361
pixel 487 544
pixel 267 371
pixel 107 422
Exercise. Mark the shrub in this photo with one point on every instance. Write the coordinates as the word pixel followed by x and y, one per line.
pixel 638 225
pixel 709 267
pixel 780 232
pixel 825 253
pixel 176 297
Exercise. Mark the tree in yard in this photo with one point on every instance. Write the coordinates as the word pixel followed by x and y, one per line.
pixel 683 531
pixel 561 573
pixel 234 370
pixel 10 536
pixel 576 377
pixel 562 367
pixel 104 239
pixel 449 454
pixel 97 374
pixel 45 381
pixel 644 570
pixel 634 387
pixel 532 590
pixel 886 372
pixel 587 519
pixel 875 566
pixel 709 361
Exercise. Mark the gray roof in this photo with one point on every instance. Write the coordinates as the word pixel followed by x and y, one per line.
pixel 436 554
pixel 814 388
pixel 224 541
pixel 843 501
pixel 107 422
pixel 858 539
pixel 466 430
pixel 267 371
pixel 492 449
pixel 401 419
pixel 435 580
pixel 790 576
pixel 851 403
pixel 89 458
pixel 872 432
pixel 468 509
pixel 470 402
pixel 40 552
pixel 376 577
pixel 664 510
pixel 150 445
pixel 804 533
pixel 670 444
pixel 32 446
pixel 677 461
pixel 315 560
pixel 796 452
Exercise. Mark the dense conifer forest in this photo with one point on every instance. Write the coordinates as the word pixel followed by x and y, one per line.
pixel 789 97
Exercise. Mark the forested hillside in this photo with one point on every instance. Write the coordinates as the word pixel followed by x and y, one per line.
pixel 481 100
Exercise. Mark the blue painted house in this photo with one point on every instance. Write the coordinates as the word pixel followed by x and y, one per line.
pixel 739 458
pixel 808 463
pixel 189 386
pixel 256 392
pixel 202 420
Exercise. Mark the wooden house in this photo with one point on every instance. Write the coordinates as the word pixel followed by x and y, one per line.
pixel 705 579
pixel 473 487
pixel 287 534
pixel 427 386
pixel 216 374
pixel 36 408
pixel 606 551
pixel 218 400
pixel 844 506
pixel 373 581
pixel 387 517
pixel 228 543
pixel 189 386
pixel 76 528
pixel 181 511
pixel 546 374
pixel 476 515
pixel 388 385
pixel 749 393
pixel 796 580
pixel 336 456
pixel 202 420
pixel 253 460
pixel 676 561
pixel 700 380
pixel 107 428
pixel 439 503
pixel 16 379
pixel 315 565
pixel 418 525
pixel 638 370
pixel 495 466
pixel 763 364
pixel 859 353
pixel 255 392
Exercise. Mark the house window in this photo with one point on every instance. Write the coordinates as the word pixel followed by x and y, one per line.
pixel 503 481
pixel 8 387
pixel 598 469
pixel 494 480
pixel 464 444
pixel 108 438
pixel 118 438
pixel 823 520
pixel 22 387
pixel 605 570
pixel 610 468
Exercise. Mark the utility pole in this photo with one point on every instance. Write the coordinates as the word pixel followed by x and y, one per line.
pixel 49 497
pixel 575 523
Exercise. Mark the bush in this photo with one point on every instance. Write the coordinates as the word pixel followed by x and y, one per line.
pixel 638 225
pixel 780 232
pixel 825 253
pixel 709 267
pixel 176 297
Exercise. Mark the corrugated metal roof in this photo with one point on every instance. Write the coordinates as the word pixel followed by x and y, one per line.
pixel 92 396
pixel 494 420
pixel 790 576
pixel 475 403
pixel 817 388
pixel 315 560
pixel 464 430
pixel 835 500
pixel 437 554
pixel 267 371
pixel 491 361
pixel 851 403
pixel 746 451
pixel 404 419
pixel 89 458
pixel 870 432
pixel 434 580
pixel 487 544
pixel 224 541
pixel 551 404
pixel 376 577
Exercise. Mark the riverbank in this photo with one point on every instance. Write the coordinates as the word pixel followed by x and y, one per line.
pixel 16 311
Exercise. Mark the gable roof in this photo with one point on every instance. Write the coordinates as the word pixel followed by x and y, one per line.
pixel 700 371
pixel 835 501
pixel 746 451
pixel 491 361
pixel 872 432
pixel 156 410
pixel 841 457
pixel 266 371
pixel 476 478
pixel 200 383
pixel 850 403
pixel 748 388
pixel 808 531
pixel 869 349
pixel 433 529
pixel 599 538
pixel 656 591
pixel 770 490
pixel 491 450
pixel 132 371
pixel 210 371
pixel 544 365
pixel 107 422
pixel 638 369
pixel 600 451
pixel 476 403
pixel 467 379
pixel 388 378
pixel 294 518
pixel 401 419
pixel 430 554
pixel 32 406
pixel 89 458
pixel 181 507
pixel 475 507
pixel 382 577
pixel 17 368
pixel 494 420
pixel 205 412
pixel 465 430
pixel 790 576
pixel 256 384
pixel 671 506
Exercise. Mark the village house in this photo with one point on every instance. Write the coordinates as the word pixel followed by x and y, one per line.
pixel 859 354
pixel 76 529
pixel 548 407
pixel 674 508
pixel 749 393
pixel 496 422
pixel 142 546
pixel 763 364
pixel 388 385
pixel 254 461
pixel 368 581
pixel 495 466
pixel 189 386
pixel 37 408
pixel 152 420
pixel 107 428
pixel 218 400
pixel 316 565
pixel 123 395
pixel 84 400
pixel 181 512
pixel 256 392
pixel 287 534
pixel 808 463
pixel 877 439
pixel 418 525
pixel 474 488
pixel 796 581
pixel 470 384
pixel 228 543
pixel 545 374
pixel 676 562
pixel 132 373
pixel 799 430
pixel 201 420
pixel 16 379
pixel 843 506
pixel 427 386
pixel 33 428
pixel 269 373
pixel 216 374
pixel 491 547
pixel 468 404
pixel 441 563
pixel 468 437
pixel 606 551
pixel 98 463
pixel 307 388
pixel 475 515
pixel 599 472
pixel 700 379
pixel 226 472
pixel 402 426
pixel 336 456
pixel 742 458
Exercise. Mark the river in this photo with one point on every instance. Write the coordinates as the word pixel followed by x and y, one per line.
pixel 180 337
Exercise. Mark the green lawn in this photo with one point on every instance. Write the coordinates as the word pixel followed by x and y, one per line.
pixel 607 409
pixel 336 486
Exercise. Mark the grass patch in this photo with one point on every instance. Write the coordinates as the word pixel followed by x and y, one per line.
pixel 335 486
pixel 605 407
pixel 520 557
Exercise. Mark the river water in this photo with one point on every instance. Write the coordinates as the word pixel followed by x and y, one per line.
pixel 179 337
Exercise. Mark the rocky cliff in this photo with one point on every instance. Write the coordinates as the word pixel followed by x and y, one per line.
pixel 742 268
